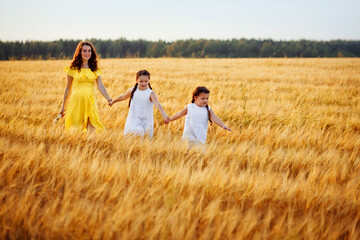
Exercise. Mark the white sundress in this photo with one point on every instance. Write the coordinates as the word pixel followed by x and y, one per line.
pixel 196 124
pixel 140 120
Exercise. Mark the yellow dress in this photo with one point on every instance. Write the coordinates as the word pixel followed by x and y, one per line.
pixel 82 106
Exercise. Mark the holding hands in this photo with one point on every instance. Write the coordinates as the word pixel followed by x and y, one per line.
pixel 110 102
pixel 166 119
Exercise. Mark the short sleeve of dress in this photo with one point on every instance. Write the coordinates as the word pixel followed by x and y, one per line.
pixel 98 72
pixel 71 72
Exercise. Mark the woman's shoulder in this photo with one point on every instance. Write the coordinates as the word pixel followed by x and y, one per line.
pixel 83 72
pixel 72 71
pixel 70 68
pixel 98 72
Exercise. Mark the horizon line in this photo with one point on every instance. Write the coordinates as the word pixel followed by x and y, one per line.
pixel 182 39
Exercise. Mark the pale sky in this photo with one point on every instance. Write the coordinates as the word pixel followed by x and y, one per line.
pixel 48 20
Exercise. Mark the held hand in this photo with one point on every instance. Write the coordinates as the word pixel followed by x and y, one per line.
pixel 166 120
pixel 110 102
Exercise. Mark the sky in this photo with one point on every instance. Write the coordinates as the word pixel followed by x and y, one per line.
pixel 169 20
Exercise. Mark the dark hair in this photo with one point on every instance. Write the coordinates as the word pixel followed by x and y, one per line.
pixel 138 74
pixel 77 59
pixel 196 93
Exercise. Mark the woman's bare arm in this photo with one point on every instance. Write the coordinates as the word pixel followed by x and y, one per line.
pixel 102 89
pixel 66 93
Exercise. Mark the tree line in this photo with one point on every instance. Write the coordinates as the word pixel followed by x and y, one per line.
pixel 201 48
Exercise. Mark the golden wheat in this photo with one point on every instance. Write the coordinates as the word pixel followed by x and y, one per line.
pixel 288 170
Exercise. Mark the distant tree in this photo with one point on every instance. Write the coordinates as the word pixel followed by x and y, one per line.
pixel 267 49
pixel 234 48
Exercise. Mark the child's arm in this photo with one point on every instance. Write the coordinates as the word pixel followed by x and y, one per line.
pixel 218 120
pixel 158 106
pixel 180 114
pixel 122 97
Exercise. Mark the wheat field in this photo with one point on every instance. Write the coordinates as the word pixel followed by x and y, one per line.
pixel 290 168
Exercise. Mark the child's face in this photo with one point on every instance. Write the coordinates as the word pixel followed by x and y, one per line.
pixel 85 52
pixel 143 82
pixel 202 99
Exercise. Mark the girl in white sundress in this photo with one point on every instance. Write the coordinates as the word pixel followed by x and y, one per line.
pixel 140 119
pixel 198 113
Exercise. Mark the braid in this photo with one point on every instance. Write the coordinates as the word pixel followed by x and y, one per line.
pixel 207 107
pixel 150 86
pixel 132 93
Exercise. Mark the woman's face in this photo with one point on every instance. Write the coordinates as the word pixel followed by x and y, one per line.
pixel 85 52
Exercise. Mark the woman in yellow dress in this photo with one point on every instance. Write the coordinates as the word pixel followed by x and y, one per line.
pixel 82 111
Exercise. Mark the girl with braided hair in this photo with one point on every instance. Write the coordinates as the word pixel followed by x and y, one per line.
pixel 198 113
pixel 140 119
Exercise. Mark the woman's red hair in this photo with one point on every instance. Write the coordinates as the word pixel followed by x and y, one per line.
pixel 77 59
